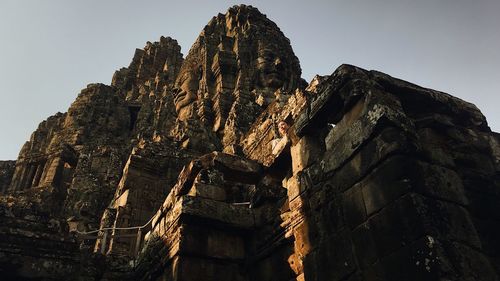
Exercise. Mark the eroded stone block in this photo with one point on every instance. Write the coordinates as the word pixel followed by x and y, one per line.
pixel 204 241
pixel 208 191
pixel 307 151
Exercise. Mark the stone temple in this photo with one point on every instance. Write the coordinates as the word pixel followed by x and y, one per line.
pixel 177 171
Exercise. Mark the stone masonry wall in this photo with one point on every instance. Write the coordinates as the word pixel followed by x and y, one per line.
pixel 402 188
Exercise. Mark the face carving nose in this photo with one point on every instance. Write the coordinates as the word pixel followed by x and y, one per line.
pixel 278 65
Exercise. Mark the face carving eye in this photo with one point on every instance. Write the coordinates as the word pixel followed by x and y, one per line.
pixel 269 56
pixel 266 56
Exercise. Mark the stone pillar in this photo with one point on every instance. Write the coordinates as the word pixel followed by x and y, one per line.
pixel 31 169
pixel 38 175
pixel 17 177
pixel 50 174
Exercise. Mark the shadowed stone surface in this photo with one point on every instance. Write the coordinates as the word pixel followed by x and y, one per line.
pixel 375 179
pixel 6 172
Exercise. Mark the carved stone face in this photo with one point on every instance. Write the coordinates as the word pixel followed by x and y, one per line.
pixel 186 95
pixel 271 68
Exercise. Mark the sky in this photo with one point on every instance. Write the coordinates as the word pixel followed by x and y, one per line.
pixel 51 49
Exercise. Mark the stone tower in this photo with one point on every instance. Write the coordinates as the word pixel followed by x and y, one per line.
pixel 229 76
pixel 179 168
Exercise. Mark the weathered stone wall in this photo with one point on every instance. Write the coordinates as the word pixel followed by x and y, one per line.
pixel 35 246
pixel 148 176
pixel 152 68
pixel 402 188
pixel 147 86
pixel 203 230
pixel 70 153
pixel 32 164
pixel 377 178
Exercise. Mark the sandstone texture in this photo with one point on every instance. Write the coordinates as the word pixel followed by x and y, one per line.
pixel 178 171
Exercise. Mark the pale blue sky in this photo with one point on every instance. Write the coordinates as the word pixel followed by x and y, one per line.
pixel 50 50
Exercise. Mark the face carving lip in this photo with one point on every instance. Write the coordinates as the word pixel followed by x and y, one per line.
pixel 272 71
pixel 182 99
pixel 274 76
pixel 180 95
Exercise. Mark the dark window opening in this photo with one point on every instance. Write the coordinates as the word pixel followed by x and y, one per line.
pixel 134 112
